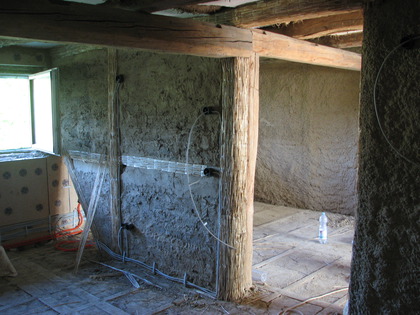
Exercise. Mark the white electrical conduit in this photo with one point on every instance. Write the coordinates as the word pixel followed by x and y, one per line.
pixel 190 184
pixel 93 203
pixel 130 276
pixel 154 270
pixel 123 242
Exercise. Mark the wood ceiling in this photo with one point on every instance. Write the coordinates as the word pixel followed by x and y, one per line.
pixel 280 29
pixel 335 23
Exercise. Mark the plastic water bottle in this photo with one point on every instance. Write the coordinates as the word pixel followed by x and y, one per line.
pixel 259 276
pixel 323 228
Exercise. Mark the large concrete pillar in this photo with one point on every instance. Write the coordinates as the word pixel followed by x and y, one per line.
pixel 385 268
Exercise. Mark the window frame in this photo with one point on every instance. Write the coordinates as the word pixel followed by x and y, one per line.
pixel 55 110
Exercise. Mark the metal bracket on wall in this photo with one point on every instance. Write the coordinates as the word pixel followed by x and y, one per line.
pixel 149 164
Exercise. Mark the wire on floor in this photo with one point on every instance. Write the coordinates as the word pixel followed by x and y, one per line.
pixel 291 309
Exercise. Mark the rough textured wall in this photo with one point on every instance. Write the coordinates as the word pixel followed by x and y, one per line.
pixel 160 99
pixel 307 151
pixel 386 253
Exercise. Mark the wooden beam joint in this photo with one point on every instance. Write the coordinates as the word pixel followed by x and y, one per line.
pixel 271 12
pixel 102 26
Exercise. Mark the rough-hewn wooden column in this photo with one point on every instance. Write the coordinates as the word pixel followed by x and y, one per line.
pixel 239 152
pixel 114 148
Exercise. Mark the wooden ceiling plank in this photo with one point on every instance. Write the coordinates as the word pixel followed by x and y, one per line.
pixel 98 25
pixel 342 41
pixel 270 12
pixel 150 5
pixel 323 26
pixel 278 46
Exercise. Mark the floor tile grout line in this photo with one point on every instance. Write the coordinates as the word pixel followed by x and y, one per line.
pixel 32 298
pixel 319 303
pixel 311 274
pixel 276 222
pixel 272 259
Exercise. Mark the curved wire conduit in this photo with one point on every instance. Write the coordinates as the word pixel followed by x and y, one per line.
pixel 204 224
pixel 375 105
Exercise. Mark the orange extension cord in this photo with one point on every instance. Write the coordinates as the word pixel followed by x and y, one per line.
pixel 72 231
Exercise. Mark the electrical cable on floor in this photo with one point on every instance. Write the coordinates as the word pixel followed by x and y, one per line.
pixel 376 107
pixel 130 276
pixel 311 299
pixel 189 186
pixel 157 271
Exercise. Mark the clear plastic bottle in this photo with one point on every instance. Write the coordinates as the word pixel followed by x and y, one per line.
pixel 323 233
pixel 259 276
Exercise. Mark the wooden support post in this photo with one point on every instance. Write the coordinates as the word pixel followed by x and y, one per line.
pixel 114 149
pixel 239 152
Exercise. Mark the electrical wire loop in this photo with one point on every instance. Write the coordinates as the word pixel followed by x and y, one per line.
pixel 376 106
pixel 189 185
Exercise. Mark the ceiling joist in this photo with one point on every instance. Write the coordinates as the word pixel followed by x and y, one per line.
pixel 342 41
pixel 99 25
pixel 102 26
pixel 270 12
pixel 323 26
pixel 272 45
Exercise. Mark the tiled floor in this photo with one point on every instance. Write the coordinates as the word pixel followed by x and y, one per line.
pixel 298 267
pixel 285 247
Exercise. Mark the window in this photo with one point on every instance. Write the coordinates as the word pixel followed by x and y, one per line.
pixel 28 112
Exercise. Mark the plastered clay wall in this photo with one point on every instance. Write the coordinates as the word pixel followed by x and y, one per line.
pixel 386 252
pixel 161 97
pixel 307 150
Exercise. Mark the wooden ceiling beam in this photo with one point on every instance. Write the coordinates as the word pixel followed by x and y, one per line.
pixel 99 25
pixel 270 12
pixel 323 26
pixel 342 41
pixel 278 46
pixel 106 27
